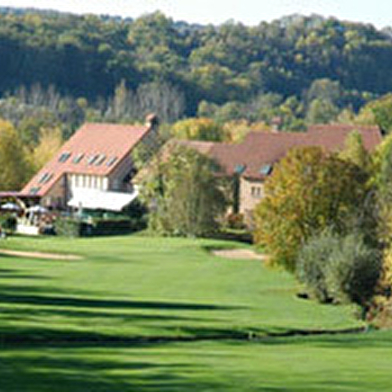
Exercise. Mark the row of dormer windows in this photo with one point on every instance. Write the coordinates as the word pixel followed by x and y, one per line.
pixel 95 159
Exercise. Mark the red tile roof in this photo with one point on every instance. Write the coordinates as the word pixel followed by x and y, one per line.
pixel 103 141
pixel 332 136
pixel 261 149
pixel 201 146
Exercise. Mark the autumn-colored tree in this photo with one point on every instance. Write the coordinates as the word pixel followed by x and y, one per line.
pixel 50 141
pixel 377 112
pixel 321 111
pixel 198 129
pixel 236 131
pixel 324 89
pixel 383 167
pixel 382 182
pixel 355 152
pixel 13 166
pixel 381 198
pixel 308 191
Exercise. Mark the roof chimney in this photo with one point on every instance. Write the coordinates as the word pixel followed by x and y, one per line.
pixel 276 123
pixel 152 120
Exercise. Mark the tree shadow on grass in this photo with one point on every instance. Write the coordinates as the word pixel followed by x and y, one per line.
pixel 69 301
pixel 33 304
pixel 6 271
pixel 20 312
pixel 47 374
pixel 39 305
pixel 17 276
pixel 28 336
pixel 8 274
pixel 49 296
pixel 348 339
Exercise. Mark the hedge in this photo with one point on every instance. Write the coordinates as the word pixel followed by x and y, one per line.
pixel 71 227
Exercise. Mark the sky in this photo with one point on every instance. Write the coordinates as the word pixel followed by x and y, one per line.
pixel 249 12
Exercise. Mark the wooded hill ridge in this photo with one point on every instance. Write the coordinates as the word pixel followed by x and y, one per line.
pixel 88 56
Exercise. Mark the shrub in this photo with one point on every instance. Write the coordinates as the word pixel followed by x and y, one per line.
pixel 8 222
pixel 312 264
pixel 354 271
pixel 235 221
pixel 111 226
pixel 71 227
pixel 340 268
pixel 68 227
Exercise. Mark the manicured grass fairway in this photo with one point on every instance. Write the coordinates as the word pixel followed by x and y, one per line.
pixel 117 321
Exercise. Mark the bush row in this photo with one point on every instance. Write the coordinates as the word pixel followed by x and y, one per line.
pixel 8 222
pixel 71 227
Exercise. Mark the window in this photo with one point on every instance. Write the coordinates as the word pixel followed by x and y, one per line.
pixel 266 170
pixel 239 169
pixel 34 190
pixel 100 160
pixel 116 184
pixel 64 157
pixel 255 191
pixel 45 178
pixel 111 161
pixel 92 159
pixel 78 158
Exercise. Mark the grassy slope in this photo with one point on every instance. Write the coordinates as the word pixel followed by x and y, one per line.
pixel 133 286
pixel 349 363
pixel 141 287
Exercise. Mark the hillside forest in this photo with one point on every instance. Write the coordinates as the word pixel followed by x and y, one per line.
pixel 210 82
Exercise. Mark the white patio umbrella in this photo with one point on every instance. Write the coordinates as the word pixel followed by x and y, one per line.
pixel 10 207
pixel 37 209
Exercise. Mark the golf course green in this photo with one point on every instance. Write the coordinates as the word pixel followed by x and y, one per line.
pixel 138 313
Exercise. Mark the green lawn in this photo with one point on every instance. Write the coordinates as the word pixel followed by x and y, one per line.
pixel 120 320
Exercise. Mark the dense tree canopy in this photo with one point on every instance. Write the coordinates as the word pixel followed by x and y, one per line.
pixel 308 191
pixel 198 129
pixel 89 56
pixel 60 70
pixel 183 194
pixel 13 166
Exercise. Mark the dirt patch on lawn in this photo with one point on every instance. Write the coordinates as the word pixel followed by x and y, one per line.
pixel 239 254
pixel 39 255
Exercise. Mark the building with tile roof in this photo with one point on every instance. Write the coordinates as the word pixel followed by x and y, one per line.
pixel 97 159
pixel 252 161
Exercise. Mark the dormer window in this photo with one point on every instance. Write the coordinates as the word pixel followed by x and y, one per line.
pixel 34 190
pixel 100 160
pixel 45 178
pixel 92 159
pixel 266 170
pixel 78 158
pixel 111 161
pixel 64 157
pixel 239 169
